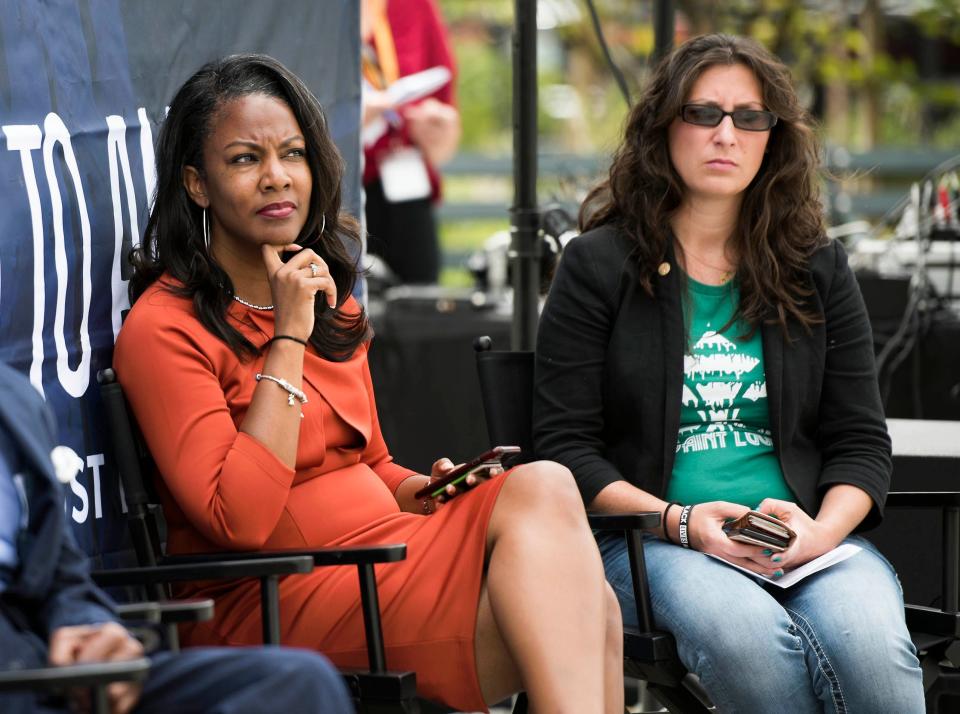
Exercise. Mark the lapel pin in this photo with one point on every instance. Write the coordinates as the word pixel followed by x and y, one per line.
pixel 66 463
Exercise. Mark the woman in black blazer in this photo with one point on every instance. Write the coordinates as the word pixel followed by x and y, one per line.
pixel 705 350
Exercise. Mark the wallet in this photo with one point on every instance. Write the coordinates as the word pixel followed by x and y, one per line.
pixel 760 529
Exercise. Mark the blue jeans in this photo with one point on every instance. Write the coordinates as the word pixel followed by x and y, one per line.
pixel 834 642
pixel 243 680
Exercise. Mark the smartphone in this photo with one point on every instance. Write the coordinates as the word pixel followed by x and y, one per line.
pixel 755 537
pixel 761 529
pixel 460 473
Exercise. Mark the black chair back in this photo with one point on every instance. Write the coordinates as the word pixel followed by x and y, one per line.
pixel 506 390
pixel 135 466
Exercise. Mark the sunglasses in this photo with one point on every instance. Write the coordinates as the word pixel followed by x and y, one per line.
pixel 746 119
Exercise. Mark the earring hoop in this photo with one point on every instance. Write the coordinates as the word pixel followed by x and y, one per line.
pixel 323 223
pixel 206 232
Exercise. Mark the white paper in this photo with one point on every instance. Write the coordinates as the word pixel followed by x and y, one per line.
pixel 418 85
pixel 832 557
pixel 402 91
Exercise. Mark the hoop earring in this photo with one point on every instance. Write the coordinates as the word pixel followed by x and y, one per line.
pixel 323 224
pixel 206 232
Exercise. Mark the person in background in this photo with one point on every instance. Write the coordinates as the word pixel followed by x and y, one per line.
pixel 405 145
pixel 704 350
pixel 51 612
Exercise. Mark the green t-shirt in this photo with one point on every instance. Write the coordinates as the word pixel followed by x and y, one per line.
pixel 724 446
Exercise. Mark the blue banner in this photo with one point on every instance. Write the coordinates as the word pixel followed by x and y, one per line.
pixel 84 86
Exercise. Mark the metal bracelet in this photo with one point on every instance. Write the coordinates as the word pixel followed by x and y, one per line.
pixel 292 392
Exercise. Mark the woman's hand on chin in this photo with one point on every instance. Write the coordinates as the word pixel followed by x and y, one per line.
pixel 294 286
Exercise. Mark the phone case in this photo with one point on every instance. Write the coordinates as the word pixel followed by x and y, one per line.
pixel 767 523
pixel 755 537
pixel 462 477
pixel 761 529
pixel 484 460
pixel 750 540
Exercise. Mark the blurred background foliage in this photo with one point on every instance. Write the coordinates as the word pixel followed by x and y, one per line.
pixel 876 74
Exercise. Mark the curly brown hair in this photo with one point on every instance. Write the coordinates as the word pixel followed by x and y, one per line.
pixel 781 216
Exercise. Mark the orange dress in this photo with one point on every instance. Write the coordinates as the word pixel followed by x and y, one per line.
pixel 222 489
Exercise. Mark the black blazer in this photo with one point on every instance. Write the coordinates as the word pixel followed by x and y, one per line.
pixel 609 373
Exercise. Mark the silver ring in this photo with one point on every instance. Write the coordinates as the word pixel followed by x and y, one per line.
pixel 314 269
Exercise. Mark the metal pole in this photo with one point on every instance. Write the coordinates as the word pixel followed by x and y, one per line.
pixel 663 24
pixel 524 215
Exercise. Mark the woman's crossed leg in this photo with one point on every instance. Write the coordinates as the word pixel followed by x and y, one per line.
pixel 548 622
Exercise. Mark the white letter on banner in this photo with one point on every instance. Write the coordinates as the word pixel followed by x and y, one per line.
pixel 95 461
pixel 69 456
pixel 26 138
pixel 79 515
pixel 117 145
pixel 146 154
pixel 75 382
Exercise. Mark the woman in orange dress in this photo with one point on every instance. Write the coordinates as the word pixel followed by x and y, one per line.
pixel 249 378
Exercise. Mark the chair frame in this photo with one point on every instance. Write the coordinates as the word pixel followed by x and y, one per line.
pixel 95 677
pixel 936 631
pixel 374 690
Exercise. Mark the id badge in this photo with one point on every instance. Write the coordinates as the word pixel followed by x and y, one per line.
pixel 403 174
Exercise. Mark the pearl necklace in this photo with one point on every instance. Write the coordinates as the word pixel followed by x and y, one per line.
pixel 250 304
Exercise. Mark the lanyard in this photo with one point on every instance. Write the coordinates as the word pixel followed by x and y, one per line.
pixel 380 68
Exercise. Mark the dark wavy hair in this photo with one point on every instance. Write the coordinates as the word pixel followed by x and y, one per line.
pixel 173 241
pixel 781 216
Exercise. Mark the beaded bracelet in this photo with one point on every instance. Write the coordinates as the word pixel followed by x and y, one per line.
pixel 663 520
pixel 288 337
pixel 287 387
pixel 685 526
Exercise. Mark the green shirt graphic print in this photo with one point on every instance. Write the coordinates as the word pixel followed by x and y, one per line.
pixel 724 445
